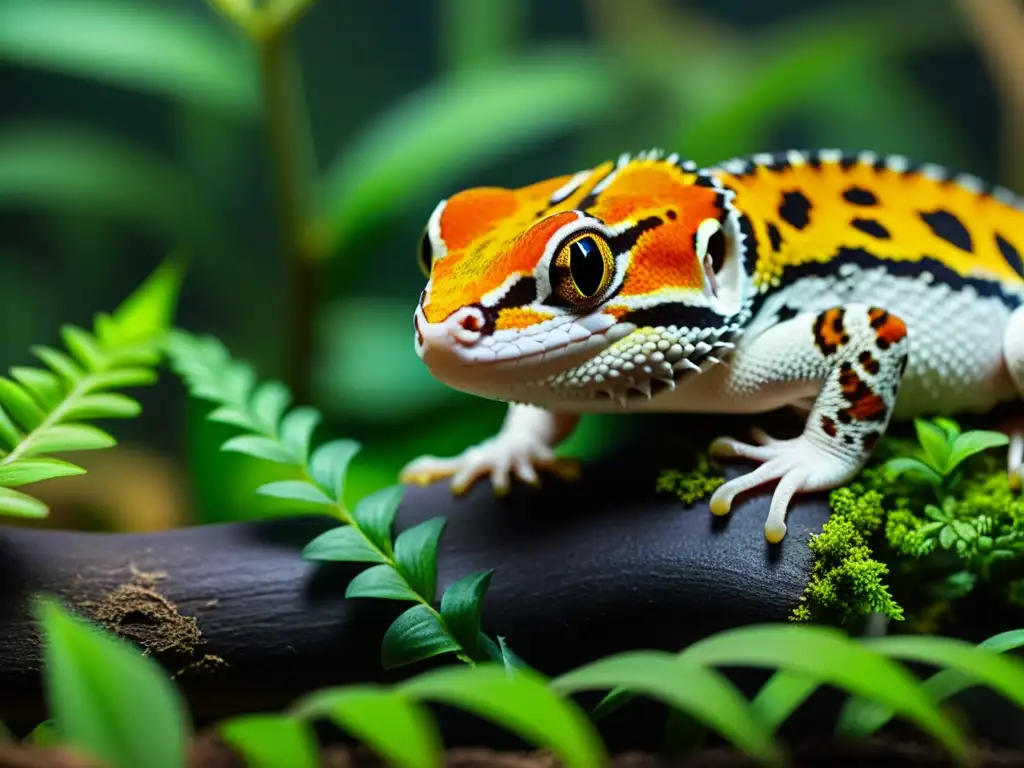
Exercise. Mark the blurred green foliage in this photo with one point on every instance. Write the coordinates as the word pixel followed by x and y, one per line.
pixel 498 92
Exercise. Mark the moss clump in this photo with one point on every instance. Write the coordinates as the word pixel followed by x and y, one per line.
pixel 846 580
pixel 694 484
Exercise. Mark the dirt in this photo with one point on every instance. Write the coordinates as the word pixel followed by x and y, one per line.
pixel 207 752
pixel 137 611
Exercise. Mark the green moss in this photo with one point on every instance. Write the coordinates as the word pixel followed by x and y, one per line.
pixel 846 580
pixel 694 484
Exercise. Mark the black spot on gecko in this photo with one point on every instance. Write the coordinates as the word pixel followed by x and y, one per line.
pixel 871 227
pixel 868 362
pixel 774 237
pixel 1010 254
pixel 795 209
pixel 671 214
pixel 946 225
pixel 859 196
pixel 848 161
pixel 870 440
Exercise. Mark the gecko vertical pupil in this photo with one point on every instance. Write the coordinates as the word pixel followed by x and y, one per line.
pixel 716 251
pixel 426 254
pixel 586 264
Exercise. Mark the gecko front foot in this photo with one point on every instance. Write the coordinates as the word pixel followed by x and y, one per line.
pixel 501 457
pixel 798 464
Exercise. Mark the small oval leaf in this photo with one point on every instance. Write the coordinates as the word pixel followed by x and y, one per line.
pixel 410 738
pixel 18 504
pixel 45 387
pixel 521 703
pixel 260 447
pixel 87 674
pixel 375 515
pixel 416 556
pixel 25 471
pixel 414 636
pixel 297 429
pixel 329 464
pixel 59 362
pixel 271 741
pixel 342 544
pixel 68 437
pixel 462 606
pixel 104 405
pixel 20 405
pixel 380 581
pixel 268 403
pixel 688 687
pixel 295 490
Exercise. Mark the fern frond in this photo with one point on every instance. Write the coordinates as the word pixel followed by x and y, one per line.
pixel 44 410
pixel 403 568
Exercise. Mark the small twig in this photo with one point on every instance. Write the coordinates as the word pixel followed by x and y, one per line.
pixel 292 160
pixel 998 26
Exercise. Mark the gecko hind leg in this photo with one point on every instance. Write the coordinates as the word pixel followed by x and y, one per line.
pixel 858 354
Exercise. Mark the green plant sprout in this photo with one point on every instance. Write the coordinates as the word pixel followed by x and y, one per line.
pixel 86 670
pixel 46 410
pixel 402 568
pixel 943 450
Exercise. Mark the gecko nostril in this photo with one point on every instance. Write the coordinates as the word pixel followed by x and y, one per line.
pixel 471 323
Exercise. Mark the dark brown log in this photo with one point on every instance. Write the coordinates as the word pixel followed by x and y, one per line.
pixel 581 570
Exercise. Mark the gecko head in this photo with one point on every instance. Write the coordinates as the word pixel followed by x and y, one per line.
pixel 614 282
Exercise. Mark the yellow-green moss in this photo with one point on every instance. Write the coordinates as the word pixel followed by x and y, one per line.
pixel 846 580
pixel 694 484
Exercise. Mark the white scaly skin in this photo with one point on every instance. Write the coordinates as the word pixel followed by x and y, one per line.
pixel 893 346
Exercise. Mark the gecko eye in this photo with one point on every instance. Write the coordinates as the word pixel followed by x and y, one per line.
pixel 582 269
pixel 426 255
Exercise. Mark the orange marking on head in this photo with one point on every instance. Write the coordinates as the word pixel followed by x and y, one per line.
pixel 519 318
pixel 462 277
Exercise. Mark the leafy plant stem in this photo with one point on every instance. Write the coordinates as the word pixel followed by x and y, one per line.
pixel 291 157
pixel 53 418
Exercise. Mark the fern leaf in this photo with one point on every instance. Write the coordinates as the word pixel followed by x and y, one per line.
pixel 43 409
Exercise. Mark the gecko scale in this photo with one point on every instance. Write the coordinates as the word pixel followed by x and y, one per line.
pixel 853 286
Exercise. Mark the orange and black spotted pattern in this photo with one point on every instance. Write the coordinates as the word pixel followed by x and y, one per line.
pixel 888 328
pixel 829 333
pixel 807 210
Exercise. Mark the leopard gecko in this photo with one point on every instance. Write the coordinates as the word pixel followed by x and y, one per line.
pixel 855 287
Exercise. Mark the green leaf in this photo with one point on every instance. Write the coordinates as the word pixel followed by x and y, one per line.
pixel 907 465
pixel 463 122
pixel 947 537
pixel 268 404
pixel 44 386
pixel 329 464
pixel 781 696
pixel 686 686
pixel 416 556
pixel 295 490
pixel 414 636
pixel 259 447
pixel 83 347
pixel 68 437
pixel 401 731
pixel 87 675
pixel 297 430
pixel 160 50
pixel 970 443
pixel 933 440
pixel 228 414
pixel 979 664
pixel 342 544
pixel 521 703
pixel 147 313
pixel 25 471
pixel 102 405
pixel 380 581
pixel 831 657
pixel 500 652
pixel 18 504
pixel 271 741
pixel 461 607
pixel 116 378
pixel 59 362
pixel 20 405
pixel 375 515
